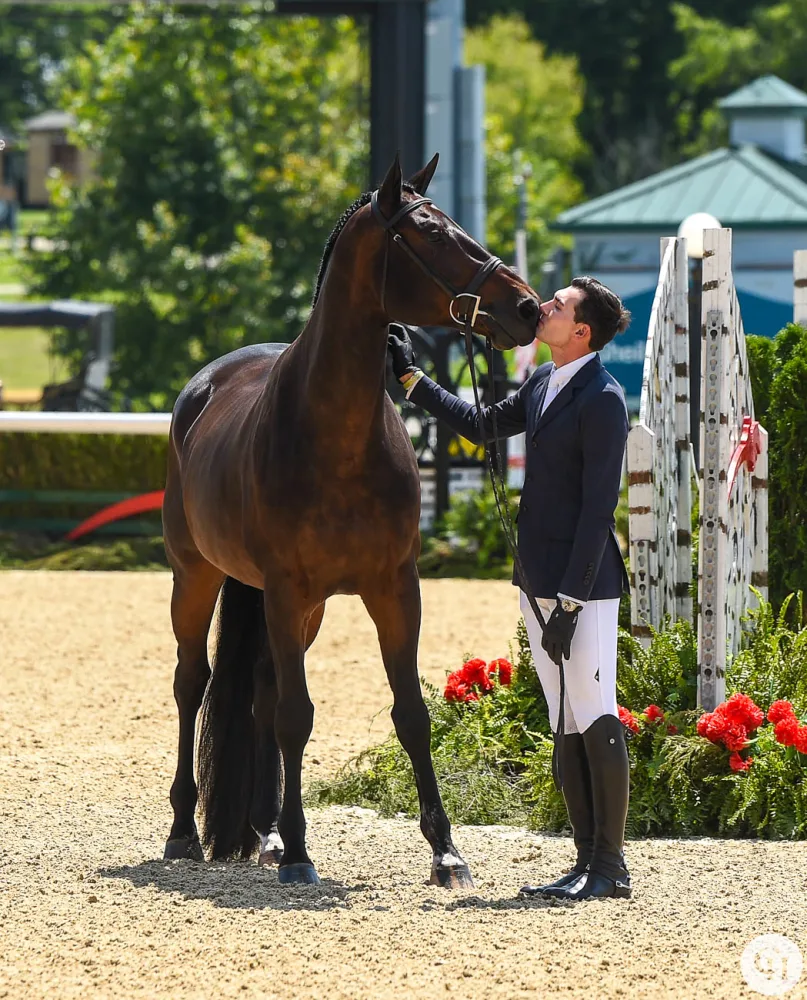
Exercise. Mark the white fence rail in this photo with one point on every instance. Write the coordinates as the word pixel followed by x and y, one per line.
pixel 659 470
pixel 84 423
pixel 733 544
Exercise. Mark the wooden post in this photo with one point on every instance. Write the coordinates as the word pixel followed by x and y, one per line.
pixel 642 531
pixel 713 507
pixel 658 457
pixel 800 287
pixel 683 572
pixel 733 551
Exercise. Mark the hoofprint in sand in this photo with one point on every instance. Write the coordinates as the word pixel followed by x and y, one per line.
pixel 87 744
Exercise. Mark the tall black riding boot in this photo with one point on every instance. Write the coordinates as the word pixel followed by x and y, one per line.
pixel 577 795
pixel 610 785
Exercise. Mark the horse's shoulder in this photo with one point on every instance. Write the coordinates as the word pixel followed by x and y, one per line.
pixel 199 389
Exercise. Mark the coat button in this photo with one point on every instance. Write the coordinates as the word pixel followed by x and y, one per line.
pixel 535 444
pixel 524 507
pixel 528 479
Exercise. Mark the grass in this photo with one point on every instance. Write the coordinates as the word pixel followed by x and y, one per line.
pixel 11 269
pixel 32 220
pixel 24 359
pixel 21 551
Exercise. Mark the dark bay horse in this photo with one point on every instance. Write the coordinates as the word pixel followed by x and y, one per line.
pixel 291 477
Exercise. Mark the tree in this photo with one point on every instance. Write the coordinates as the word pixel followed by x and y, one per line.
pixel 719 57
pixel 623 50
pixel 33 40
pixel 531 102
pixel 226 147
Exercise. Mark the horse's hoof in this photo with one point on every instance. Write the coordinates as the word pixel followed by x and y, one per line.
pixel 271 857
pixel 184 847
pixel 452 877
pixel 300 874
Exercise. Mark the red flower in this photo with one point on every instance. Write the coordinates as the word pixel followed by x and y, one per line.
pixel 476 672
pixel 801 740
pixel 455 688
pixel 654 714
pixel 742 709
pixel 713 726
pixel 672 730
pixel 501 668
pixel 786 731
pixel 627 718
pixel 735 736
pixel 779 711
pixel 736 763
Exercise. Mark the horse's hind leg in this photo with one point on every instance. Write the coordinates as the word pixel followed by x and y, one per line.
pixel 196 587
pixel 395 609
pixel 265 808
pixel 267 794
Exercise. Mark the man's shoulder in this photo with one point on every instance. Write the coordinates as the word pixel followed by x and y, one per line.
pixel 607 387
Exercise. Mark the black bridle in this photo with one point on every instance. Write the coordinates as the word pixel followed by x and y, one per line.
pixel 468 299
pixel 466 322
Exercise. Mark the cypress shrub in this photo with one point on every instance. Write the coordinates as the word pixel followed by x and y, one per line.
pixel 778 370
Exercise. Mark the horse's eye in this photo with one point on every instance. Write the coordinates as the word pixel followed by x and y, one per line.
pixel 435 236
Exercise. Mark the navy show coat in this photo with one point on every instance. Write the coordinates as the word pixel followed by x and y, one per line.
pixel 566 537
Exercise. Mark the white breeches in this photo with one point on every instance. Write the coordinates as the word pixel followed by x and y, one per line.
pixel 590 671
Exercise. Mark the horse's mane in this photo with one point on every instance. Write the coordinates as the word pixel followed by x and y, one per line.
pixel 360 202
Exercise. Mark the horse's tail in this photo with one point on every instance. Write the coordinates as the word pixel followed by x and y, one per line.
pixel 226 739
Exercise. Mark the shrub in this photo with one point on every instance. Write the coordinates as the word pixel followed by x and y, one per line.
pixel 493 755
pixel 778 371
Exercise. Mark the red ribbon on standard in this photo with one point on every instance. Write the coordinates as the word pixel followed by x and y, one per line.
pixel 747 450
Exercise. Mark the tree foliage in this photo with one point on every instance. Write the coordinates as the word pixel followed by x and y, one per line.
pixel 35 39
pixel 779 376
pixel 227 146
pixel 532 102
pixel 623 49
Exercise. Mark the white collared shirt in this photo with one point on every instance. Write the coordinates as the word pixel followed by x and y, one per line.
pixel 561 376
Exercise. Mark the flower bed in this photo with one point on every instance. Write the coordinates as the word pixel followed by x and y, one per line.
pixel 736 771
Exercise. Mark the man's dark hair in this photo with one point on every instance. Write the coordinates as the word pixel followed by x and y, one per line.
pixel 601 309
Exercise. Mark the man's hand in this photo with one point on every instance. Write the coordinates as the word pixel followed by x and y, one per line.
pixel 400 350
pixel 558 634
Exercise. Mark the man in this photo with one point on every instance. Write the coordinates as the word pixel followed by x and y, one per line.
pixel 575 419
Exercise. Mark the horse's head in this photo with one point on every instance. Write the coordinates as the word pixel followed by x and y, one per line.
pixel 435 274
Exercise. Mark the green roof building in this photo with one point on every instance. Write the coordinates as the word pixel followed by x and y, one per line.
pixel 757 186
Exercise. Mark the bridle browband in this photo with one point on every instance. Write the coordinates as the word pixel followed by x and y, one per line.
pixel 466 322
pixel 473 301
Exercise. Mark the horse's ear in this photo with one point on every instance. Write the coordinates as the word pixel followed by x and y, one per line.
pixel 389 193
pixel 421 180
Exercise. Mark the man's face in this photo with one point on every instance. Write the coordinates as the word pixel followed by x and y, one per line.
pixel 557 326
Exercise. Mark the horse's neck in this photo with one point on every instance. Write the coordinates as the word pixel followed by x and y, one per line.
pixel 344 348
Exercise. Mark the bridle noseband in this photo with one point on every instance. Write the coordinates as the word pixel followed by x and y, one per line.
pixel 471 304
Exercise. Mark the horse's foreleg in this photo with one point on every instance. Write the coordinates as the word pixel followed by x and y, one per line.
pixel 286 622
pixel 196 588
pixel 396 613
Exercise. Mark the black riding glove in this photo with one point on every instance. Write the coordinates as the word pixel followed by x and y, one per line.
pixel 558 633
pixel 400 350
